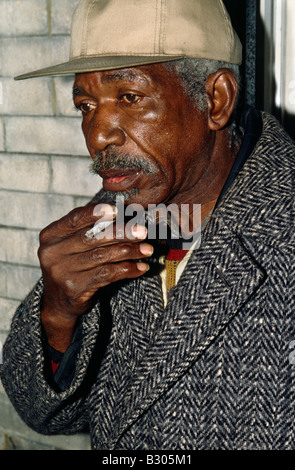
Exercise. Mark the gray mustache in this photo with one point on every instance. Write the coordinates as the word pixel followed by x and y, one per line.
pixel 115 161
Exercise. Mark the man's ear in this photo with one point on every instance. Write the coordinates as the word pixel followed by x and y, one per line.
pixel 222 91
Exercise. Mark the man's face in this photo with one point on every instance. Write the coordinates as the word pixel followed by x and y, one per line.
pixel 145 135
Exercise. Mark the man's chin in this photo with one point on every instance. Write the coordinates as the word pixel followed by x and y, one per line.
pixel 131 197
pixel 127 197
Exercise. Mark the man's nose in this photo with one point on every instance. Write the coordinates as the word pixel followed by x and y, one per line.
pixel 104 130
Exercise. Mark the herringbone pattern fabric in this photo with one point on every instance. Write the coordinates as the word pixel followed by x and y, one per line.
pixel 212 369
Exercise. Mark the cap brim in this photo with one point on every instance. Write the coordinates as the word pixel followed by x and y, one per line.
pixel 92 64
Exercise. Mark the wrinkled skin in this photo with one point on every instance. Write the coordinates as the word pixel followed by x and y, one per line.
pixel 141 112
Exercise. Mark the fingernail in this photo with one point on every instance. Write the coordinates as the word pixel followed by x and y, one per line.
pixel 105 210
pixel 139 231
pixel 142 267
pixel 146 249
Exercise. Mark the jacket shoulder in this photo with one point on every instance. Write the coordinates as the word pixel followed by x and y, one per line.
pixel 261 198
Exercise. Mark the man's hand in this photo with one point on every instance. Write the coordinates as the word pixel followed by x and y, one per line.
pixel 74 267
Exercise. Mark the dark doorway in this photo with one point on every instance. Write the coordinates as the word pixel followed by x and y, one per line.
pixel 245 16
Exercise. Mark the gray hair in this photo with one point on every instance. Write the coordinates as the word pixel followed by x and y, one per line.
pixel 193 74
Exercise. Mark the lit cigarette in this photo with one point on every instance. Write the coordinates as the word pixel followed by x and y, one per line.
pixel 98 227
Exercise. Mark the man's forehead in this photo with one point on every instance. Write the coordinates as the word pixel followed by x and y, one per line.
pixel 103 78
pixel 133 74
pixel 129 75
pixel 107 76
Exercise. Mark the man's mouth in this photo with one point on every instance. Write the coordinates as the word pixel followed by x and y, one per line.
pixel 116 179
pixel 119 180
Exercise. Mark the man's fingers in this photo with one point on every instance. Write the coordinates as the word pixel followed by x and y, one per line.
pixel 109 273
pixel 77 219
pixel 113 254
pixel 84 284
pixel 118 232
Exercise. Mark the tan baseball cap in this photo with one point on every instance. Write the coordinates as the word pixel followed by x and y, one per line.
pixel 112 34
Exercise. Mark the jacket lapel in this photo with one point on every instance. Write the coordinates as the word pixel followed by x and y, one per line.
pixel 136 308
pixel 196 313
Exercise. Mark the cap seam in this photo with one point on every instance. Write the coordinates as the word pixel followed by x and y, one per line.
pixel 84 39
pixel 228 26
pixel 156 25
pixel 162 36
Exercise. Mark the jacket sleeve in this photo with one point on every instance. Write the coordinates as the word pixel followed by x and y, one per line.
pixel 40 403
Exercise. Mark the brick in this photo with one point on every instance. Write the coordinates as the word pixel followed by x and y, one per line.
pixel 3 280
pixel 2 145
pixel 19 280
pixel 9 417
pixel 7 310
pixel 21 55
pixel 61 15
pixel 19 246
pixel 81 201
pixel 64 101
pixel 23 17
pixel 32 210
pixel 61 136
pixel 29 97
pixel 1 388
pixel 24 172
pixel 71 175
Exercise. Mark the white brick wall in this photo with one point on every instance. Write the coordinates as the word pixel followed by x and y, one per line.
pixel 1 134
pixel 23 17
pixel 43 167
pixel 22 54
pixel 20 97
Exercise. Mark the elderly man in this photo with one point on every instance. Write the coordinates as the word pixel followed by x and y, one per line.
pixel 193 353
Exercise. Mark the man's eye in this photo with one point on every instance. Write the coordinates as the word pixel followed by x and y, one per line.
pixel 85 108
pixel 130 98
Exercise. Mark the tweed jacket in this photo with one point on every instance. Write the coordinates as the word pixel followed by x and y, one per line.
pixel 212 370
